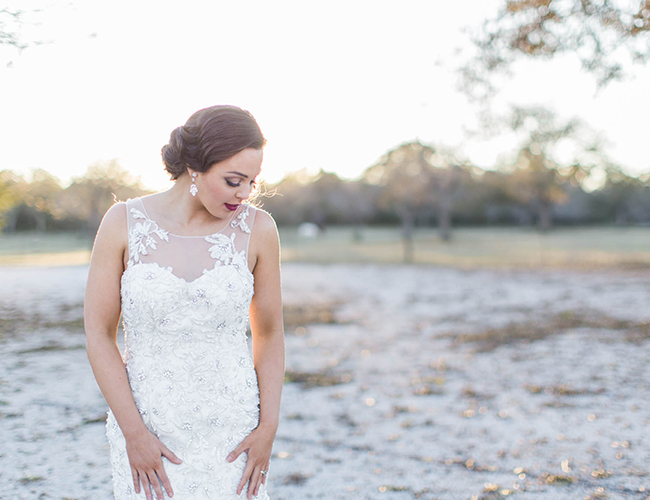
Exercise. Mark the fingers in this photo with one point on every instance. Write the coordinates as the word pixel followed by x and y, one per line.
pixel 253 485
pixel 147 487
pixel 169 455
pixel 262 477
pixel 254 477
pixel 153 481
pixel 237 451
pixel 162 476
pixel 136 480
pixel 245 477
pixel 150 480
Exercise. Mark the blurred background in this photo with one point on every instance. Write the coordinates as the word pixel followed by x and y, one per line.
pixel 472 133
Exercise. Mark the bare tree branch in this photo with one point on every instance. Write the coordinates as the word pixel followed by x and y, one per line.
pixel 607 36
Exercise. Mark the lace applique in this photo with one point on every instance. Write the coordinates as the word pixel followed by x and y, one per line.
pixel 140 236
pixel 223 250
pixel 187 358
pixel 241 221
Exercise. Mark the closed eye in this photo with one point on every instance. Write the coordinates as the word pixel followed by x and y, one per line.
pixel 237 184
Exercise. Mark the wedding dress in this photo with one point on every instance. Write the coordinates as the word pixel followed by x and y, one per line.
pixel 185 302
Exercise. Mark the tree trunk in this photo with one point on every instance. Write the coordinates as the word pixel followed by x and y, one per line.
pixel 544 216
pixel 12 219
pixel 444 220
pixel 41 221
pixel 357 233
pixel 407 234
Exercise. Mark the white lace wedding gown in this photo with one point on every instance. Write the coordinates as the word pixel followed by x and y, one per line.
pixel 185 304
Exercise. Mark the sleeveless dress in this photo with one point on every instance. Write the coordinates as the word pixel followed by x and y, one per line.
pixel 185 304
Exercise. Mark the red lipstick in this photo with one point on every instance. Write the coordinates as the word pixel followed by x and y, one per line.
pixel 230 207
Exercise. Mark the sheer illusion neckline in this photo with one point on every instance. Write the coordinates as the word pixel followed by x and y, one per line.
pixel 232 217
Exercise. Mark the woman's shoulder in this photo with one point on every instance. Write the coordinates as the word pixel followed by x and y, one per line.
pixel 263 220
pixel 115 219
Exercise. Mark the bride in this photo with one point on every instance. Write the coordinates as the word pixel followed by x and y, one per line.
pixel 191 413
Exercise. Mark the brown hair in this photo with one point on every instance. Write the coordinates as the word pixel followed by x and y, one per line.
pixel 209 136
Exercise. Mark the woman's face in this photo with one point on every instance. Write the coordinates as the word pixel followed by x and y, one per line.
pixel 227 183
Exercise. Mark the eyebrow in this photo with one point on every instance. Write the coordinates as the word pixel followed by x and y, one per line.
pixel 238 173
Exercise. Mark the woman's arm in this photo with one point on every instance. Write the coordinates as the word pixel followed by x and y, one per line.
pixel 268 351
pixel 101 317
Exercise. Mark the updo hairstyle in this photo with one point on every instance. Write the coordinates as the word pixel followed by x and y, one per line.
pixel 209 136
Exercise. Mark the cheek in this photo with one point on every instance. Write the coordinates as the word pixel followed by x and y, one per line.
pixel 216 191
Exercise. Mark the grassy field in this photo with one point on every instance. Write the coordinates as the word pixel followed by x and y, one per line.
pixel 579 247
pixel 593 247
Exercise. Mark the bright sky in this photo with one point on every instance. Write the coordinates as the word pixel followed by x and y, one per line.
pixel 333 85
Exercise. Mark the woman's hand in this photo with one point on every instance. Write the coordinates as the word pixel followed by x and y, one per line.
pixel 257 445
pixel 145 453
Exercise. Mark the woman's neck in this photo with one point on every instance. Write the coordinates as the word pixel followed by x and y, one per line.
pixel 182 210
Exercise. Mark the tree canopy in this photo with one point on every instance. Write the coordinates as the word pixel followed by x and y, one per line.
pixel 606 35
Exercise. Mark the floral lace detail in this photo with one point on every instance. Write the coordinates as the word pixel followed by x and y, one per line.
pixel 140 236
pixel 240 221
pixel 189 365
pixel 223 251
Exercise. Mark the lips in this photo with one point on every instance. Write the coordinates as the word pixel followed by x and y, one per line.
pixel 230 207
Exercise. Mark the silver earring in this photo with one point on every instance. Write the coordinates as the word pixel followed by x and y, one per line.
pixel 193 188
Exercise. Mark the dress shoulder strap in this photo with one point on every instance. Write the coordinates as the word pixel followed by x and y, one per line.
pixel 241 227
pixel 251 222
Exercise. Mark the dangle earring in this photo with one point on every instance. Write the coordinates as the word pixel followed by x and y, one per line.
pixel 193 188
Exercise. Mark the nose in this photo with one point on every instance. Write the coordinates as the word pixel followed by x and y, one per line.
pixel 244 192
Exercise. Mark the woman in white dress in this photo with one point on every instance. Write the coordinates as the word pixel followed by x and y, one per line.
pixel 191 414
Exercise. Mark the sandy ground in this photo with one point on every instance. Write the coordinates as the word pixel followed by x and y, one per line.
pixel 403 382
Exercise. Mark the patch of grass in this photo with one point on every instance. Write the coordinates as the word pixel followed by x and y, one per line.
pixel 620 248
pixel 624 248
pixel 14 322
pixel 560 390
pixel 296 478
pixel 470 393
pixel 530 331
pixel 557 478
pixel 346 420
pixel 30 479
pixel 470 464
pixel 316 379
pixel 52 347
pixel 97 420
pixel 427 390
pixel 391 487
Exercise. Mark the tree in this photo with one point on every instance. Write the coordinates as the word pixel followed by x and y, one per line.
pixel 10 195
pixel 606 35
pixel 9 22
pixel 90 196
pixel 538 176
pixel 623 199
pixel 12 22
pixel 445 183
pixel 41 196
pixel 414 178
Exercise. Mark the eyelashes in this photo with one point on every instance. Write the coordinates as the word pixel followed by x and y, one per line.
pixel 237 184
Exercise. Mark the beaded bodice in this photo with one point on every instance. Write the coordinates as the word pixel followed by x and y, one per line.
pixel 185 303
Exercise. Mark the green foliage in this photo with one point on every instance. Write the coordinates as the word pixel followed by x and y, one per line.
pixel 90 196
pixel 42 203
pixel 413 184
pixel 9 194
